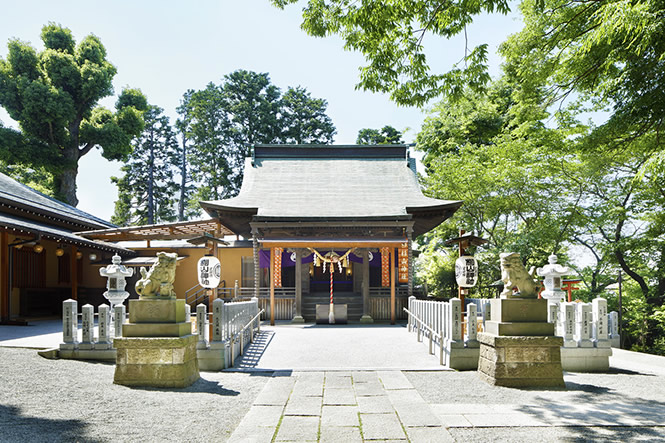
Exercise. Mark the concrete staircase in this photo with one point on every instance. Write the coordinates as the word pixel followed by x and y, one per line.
pixel 353 301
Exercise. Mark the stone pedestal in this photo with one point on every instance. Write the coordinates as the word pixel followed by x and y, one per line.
pixel 157 348
pixel 160 362
pixel 520 361
pixel 519 348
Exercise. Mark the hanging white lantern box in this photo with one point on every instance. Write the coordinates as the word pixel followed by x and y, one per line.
pixel 466 271
pixel 209 271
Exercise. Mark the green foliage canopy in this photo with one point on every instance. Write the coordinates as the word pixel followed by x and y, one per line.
pixel 53 95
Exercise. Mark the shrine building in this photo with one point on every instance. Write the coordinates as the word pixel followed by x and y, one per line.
pixel 301 210
pixel 356 207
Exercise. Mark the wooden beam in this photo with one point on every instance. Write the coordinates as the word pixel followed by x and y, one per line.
pixel 392 286
pixel 73 273
pixel 4 276
pixel 272 286
pixel 330 244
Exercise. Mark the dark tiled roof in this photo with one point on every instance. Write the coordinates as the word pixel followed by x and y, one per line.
pixel 15 194
pixel 56 233
pixel 344 182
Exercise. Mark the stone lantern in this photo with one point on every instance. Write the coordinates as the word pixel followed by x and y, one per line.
pixel 552 273
pixel 116 274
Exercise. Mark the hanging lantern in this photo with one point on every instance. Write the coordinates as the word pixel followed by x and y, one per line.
pixel 38 248
pixel 79 255
pixel 466 271
pixel 209 271
pixel 59 252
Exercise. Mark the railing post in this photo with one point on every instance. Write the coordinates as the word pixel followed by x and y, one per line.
pixel 583 325
pixel 69 324
pixel 410 304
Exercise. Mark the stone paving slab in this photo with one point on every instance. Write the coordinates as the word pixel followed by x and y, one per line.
pixel 412 409
pixel 369 389
pixel 252 434
pixel 276 392
pixel 267 416
pixel 339 396
pixel 338 381
pixel 381 427
pixel 337 434
pixel 340 416
pixel 298 428
pixel 394 380
pixel 304 406
pixel 374 405
pixel 429 435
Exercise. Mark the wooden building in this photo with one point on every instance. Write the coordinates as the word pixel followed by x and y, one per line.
pixel 42 260
pixel 305 203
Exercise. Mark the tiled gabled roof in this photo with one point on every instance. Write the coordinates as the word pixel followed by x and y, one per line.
pixel 19 196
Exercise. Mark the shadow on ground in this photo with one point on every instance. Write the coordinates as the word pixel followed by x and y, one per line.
pixel 14 426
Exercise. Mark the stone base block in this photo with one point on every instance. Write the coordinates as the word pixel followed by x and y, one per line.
pixel 586 359
pixel 463 359
pixel 69 346
pixel 157 311
pixel 162 362
pixel 156 329
pixel 88 354
pixel 103 345
pixel 519 328
pixel 86 346
pixel 299 319
pixel 366 319
pixel 212 359
pixel 520 361
pixel 513 310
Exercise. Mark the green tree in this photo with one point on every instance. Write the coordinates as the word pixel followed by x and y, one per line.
pixel 53 95
pixel 146 189
pixel 220 123
pixel 304 118
pixel 385 136
pixel 390 36
pixel 186 207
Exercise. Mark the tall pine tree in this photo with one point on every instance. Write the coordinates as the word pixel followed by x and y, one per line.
pixel 146 191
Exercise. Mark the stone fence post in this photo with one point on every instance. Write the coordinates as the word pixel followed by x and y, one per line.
pixel 104 322
pixel 456 339
pixel 118 319
pixel 202 326
pixel 567 314
pixel 583 326
pixel 87 327
pixel 69 324
pixel 472 326
pixel 217 326
pixel 600 323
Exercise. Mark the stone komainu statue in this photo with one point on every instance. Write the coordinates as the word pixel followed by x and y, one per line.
pixel 515 276
pixel 158 281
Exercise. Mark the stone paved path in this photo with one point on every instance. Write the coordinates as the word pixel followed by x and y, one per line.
pixel 333 406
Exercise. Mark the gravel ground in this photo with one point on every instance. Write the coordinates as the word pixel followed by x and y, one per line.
pixel 67 400
pixel 635 392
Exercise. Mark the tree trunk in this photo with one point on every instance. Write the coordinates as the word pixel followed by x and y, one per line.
pixel 183 181
pixel 151 180
pixel 67 180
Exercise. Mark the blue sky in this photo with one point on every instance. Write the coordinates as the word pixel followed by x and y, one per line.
pixel 167 47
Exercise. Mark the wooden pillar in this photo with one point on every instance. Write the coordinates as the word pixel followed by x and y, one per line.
pixel 365 286
pixel 392 286
pixel 73 272
pixel 257 269
pixel 4 276
pixel 409 244
pixel 298 284
pixel 272 286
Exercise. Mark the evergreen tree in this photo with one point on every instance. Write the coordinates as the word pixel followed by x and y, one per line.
pixel 146 191
pixel 304 118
